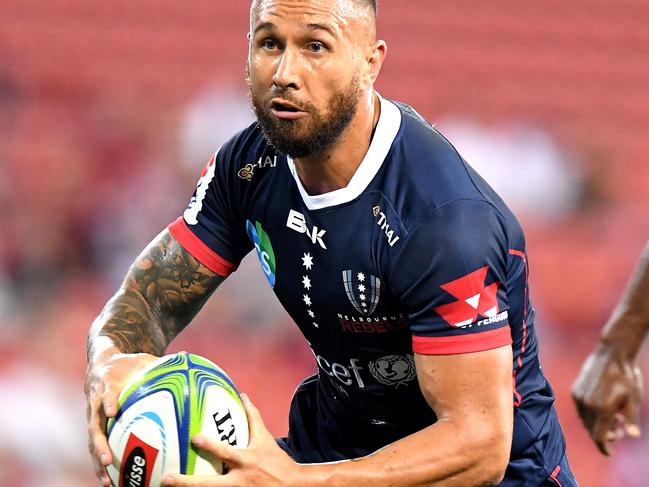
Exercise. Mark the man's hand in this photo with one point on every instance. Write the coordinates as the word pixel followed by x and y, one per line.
pixel 105 378
pixel 262 464
pixel 163 290
pixel 608 394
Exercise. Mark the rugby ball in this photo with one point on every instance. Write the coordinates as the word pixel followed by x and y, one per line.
pixel 161 408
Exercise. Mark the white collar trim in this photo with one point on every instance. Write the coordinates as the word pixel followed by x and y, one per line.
pixel 386 131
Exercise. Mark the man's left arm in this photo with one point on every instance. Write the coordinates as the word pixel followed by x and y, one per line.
pixel 469 445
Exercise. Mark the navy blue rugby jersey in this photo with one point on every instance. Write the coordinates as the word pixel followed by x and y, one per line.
pixel 417 254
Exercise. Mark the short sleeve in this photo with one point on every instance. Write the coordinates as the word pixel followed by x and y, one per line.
pixel 449 277
pixel 210 228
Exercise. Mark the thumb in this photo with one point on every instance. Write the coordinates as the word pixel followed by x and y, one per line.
pixel 256 424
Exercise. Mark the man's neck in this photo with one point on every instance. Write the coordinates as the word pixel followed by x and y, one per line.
pixel 334 169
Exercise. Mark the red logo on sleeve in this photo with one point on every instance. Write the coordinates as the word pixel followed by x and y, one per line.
pixel 207 166
pixel 473 299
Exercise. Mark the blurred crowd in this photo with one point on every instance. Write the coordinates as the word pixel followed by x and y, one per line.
pixel 109 110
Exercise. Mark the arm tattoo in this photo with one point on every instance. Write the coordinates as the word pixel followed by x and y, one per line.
pixel 162 292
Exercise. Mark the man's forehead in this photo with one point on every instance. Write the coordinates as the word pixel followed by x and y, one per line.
pixel 337 13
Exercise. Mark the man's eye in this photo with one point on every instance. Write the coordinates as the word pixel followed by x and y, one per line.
pixel 317 47
pixel 268 44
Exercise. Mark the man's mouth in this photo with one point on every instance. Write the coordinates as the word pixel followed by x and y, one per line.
pixel 286 110
pixel 282 106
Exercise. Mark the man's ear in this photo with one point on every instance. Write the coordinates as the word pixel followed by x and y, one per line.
pixel 373 63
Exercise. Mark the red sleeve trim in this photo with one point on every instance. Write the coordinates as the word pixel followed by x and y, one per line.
pixel 199 250
pixel 473 342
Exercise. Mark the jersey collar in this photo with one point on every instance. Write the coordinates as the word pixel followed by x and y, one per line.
pixel 386 131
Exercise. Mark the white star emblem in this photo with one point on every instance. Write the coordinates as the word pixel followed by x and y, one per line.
pixel 307 261
pixel 362 296
pixel 364 304
pixel 361 288
pixel 306 282
pixel 311 313
pixel 307 300
pixel 315 324
pixel 361 276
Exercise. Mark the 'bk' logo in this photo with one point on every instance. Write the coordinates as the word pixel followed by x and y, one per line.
pixel 473 299
pixel 362 291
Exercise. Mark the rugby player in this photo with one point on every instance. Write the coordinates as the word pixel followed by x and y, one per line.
pixel 608 391
pixel 404 270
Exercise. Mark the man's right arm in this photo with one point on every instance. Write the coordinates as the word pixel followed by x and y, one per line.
pixel 162 292
pixel 608 391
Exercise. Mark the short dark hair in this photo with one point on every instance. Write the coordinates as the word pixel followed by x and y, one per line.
pixel 372 4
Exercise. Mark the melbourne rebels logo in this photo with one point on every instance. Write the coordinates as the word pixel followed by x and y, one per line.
pixel 363 291
pixel 394 370
pixel 474 299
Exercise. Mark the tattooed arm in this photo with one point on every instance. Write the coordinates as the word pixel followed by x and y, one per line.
pixel 162 292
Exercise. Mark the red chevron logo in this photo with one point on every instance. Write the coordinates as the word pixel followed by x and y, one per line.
pixel 474 299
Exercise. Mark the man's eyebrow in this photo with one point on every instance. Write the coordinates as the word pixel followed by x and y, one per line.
pixel 325 27
pixel 264 26
pixel 311 26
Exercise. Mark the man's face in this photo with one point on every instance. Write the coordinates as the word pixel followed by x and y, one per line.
pixel 304 69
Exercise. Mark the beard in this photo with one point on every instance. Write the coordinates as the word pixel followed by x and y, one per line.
pixel 313 134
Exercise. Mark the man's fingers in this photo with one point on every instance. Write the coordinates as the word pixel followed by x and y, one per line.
pixel 221 451
pixel 109 403
pixel 631 410
pixel 218 449
pixel 97 442
pixel 604 447
pixel 631 417
pixel 177 480
pixel 602 433
pixel 97 436
pixel 587 414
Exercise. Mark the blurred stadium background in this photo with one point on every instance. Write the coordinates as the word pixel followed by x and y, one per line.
pixel 109 110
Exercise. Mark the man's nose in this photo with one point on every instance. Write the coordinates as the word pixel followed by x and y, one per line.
pixel 287 71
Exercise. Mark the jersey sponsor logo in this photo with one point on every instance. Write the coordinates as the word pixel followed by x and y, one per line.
pixel 390 370
pixel 264 248
pixel 494 319
pixel 394 370
pixel 248 171
pixel 137 467
pixel 363 291
pixel 474 299
pixel 297 221
pixel 345 374
pixel 382 221
pixel 196 203
pixel 377 324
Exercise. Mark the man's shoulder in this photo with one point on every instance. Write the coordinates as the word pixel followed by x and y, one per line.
pixel 426 171
pixel 248 141
pixel 246 155
pixel 420 135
